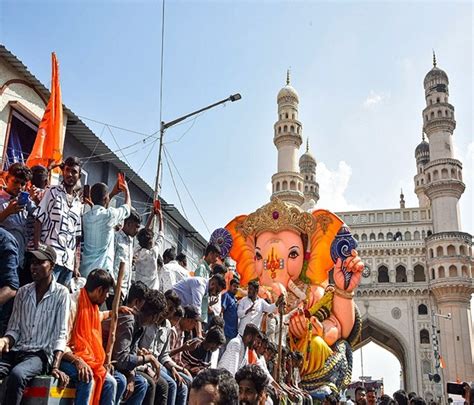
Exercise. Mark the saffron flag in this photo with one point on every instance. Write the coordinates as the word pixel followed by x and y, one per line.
pixel 441 362
pixel 48 146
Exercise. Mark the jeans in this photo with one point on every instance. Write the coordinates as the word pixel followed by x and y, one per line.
pixel 21 368
pixel 141 386
pixel 84 389
pixel 177 393
pixel 62 275
pixel 157 393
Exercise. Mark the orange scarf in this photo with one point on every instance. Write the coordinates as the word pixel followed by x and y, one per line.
pixel 86 341
pixel 252 357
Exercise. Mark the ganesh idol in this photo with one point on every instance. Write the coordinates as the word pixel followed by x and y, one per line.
pixel 311 259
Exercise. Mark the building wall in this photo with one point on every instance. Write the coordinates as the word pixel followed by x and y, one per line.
pixel 30 104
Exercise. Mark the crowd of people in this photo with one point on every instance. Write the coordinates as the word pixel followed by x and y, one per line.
pixel 182 335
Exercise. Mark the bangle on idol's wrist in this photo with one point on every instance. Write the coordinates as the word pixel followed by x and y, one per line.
pixel 343 294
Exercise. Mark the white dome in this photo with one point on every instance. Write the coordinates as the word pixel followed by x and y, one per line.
pixel 287 91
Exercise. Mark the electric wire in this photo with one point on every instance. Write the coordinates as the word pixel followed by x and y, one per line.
pixel 175 187
pixel 187 190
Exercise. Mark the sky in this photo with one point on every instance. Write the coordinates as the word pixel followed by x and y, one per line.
pixel 358 68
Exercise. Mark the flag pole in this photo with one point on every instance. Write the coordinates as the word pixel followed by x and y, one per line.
pixel 114 318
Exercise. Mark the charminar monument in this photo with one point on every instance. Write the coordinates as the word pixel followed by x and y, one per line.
pixel 417 285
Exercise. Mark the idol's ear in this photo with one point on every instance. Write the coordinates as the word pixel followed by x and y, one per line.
pixel 320 262
pixel 243 251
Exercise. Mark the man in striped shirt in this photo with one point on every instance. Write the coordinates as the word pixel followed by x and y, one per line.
pixel 37 332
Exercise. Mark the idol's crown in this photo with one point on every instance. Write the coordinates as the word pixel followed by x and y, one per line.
pixel 277 216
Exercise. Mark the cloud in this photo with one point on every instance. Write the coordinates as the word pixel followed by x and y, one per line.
pixel 332 186
pixel 375 98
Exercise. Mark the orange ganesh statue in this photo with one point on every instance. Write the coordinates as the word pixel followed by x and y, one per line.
pixel 292 252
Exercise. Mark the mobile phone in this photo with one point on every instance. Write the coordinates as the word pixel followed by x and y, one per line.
pixel 121 178
pixel 23 198
pixel 456 389
pixel 86 192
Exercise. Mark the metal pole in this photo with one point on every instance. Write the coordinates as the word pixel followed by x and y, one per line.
pixel 158 168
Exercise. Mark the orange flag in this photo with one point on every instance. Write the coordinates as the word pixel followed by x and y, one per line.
pixel 48 147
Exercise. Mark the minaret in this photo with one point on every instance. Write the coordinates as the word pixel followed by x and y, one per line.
pixel 402 199
pixel 287 183
pixel 422 155
pixel 444 185
pixel 308 171
pixel 449 251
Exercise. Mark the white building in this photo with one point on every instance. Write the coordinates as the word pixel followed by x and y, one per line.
pixel 418 261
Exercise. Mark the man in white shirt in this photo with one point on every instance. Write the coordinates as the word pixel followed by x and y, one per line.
pixel 236 352
pixel 252 307
pixel 172 272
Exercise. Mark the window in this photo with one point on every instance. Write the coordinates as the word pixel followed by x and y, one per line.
pixel 432 274
pixel 401 274
pixel 383 275
pixel 439 251
pixel 441 272
pixel 416 235
pixel 286 115
pixel 364 237
pixel 398 236
pixel 451 250
pixel 424 337
pixel 21 138
pixel 419 273
pixel 422 309
pixel 285 185
pixel 407 235
pixel 292 185
pixel 380 236
pixel 390 236
pixel 278 186
pixel 372 236
pixel 453 271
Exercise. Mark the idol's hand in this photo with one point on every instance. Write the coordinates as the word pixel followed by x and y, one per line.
pixel 353 264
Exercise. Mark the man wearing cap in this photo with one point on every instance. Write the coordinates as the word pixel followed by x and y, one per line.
pixel 37 331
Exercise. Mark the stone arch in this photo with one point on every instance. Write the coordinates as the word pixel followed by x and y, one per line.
pixel 439 251
pixel 364 237
pixel 453 271
pixel 416 235
pixel 424 337
pixel 292 185
pixel 278 186
pixel 419 273
pixel 451 250
pixel 401 274
pixel 441 272
pixel 407 235
pixel 422 309
pixel 286 115
pixel 382 274
pixel 465 271
pixel 305 188
pixel 389 236
pixel 431 253
pixel 444 173
pixel 279 130
pixel 432 274
pixel 380 236
pixel 285 128
pixel 429 177
pixel 453 173
pixel 435 175
pixel 372 236
pixel 462 250
pixel 459 175
pixel 284 185
pixel 292 128
pixel 387 337
pixel 440 113
pixel 299 186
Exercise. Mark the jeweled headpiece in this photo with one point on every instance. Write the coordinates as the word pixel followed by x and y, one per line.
pixel 277 216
